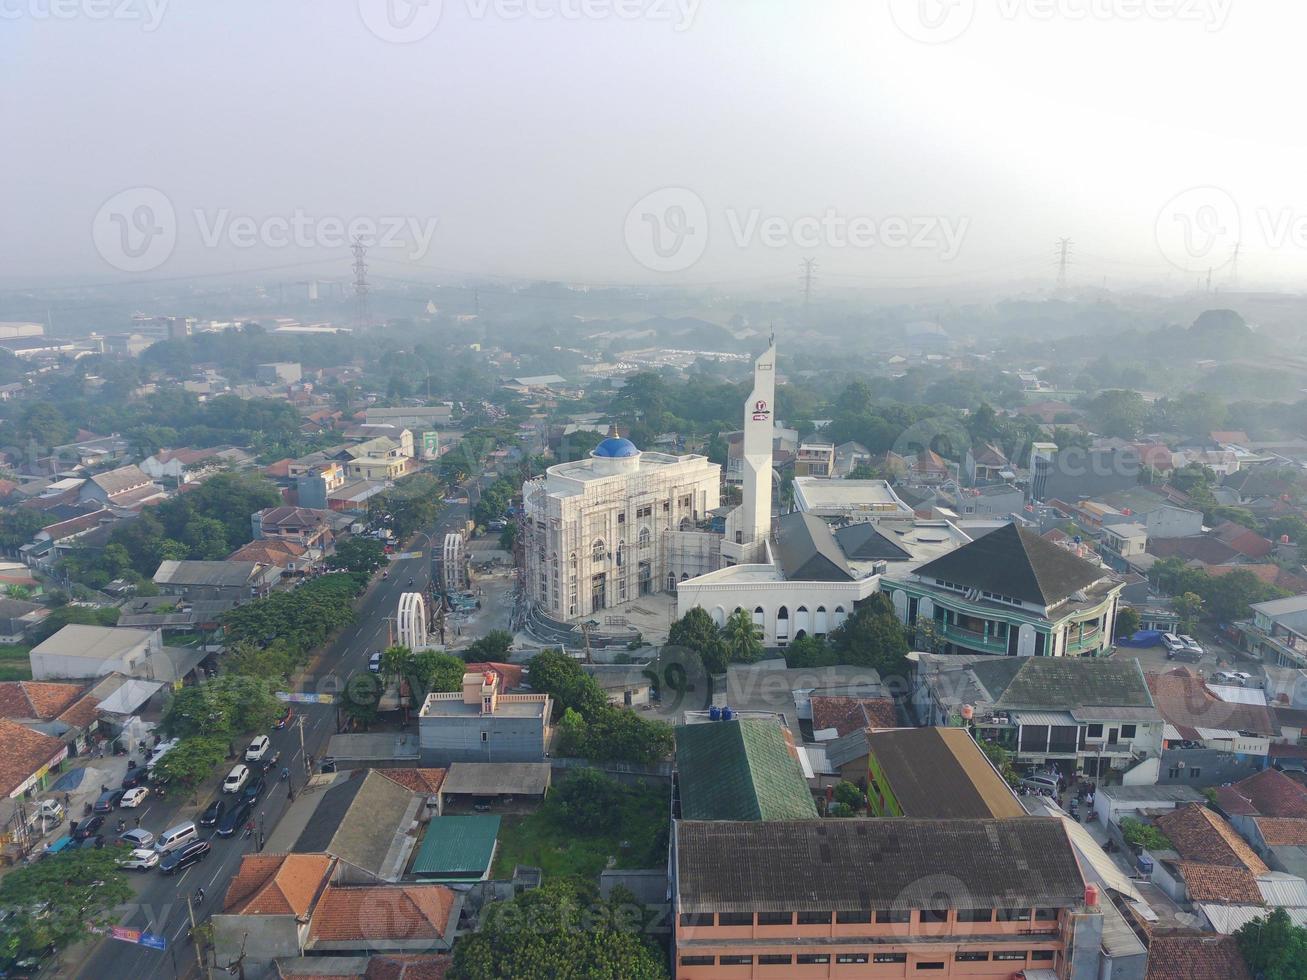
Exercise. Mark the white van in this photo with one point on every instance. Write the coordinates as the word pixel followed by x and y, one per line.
pixel 175 837
pixel 1039 782
pixel 236 779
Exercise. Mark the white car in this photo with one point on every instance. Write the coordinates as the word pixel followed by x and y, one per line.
pixel 134 797
pixel 140 860
pixel 1191 644
pixel 258 748
pixel 1172 642
pixel 374 663
pixel 236 779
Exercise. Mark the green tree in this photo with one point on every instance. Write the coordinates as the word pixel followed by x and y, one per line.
pixel 494 647
pixel 1145 835
pixel 18 525
pixel 1189 607
pixel 358 555
pixel 59 900
pixel 848 794
pixel 1118 412
pixel 1273 947
pixel 1127 621
pixel 74 615
pixel 397 663
pixel 590 801
pixel 191 761
pixel 562 930
pixel 554 673
pixel 696 631
pixel 742 638
pixel 872 637
pixel 1002 761
pixel 437 673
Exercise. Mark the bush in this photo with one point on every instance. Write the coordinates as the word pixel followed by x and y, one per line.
pixel 590 801
pixel 1145 835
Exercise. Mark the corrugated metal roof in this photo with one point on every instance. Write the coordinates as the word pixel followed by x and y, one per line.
pixel 459 845
pixel 1238 695
pixel 1227 919
pixel 1288 890
pixel 1043 718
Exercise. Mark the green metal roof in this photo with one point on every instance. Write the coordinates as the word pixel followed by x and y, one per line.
pixel 740 770
pixel 460 846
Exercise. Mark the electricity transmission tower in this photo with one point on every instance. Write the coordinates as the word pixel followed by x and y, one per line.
pixel 360 250
pixel 807 279
pixel 1063 261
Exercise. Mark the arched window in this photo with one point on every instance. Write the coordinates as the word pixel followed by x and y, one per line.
pixel 597 550
pixel 782 613
pixel 573 559
pixel 619 554
pixel 645 537
pixel 671 581
pixel 684 576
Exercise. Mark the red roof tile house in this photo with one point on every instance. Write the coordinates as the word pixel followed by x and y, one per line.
pixel 1195 956
pixel 843 715
pixel 281 907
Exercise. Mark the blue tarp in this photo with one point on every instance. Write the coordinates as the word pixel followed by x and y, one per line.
pixel 69 780
pixel 1144 638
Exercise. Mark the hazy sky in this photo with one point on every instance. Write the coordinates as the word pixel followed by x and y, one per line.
pixel 633 141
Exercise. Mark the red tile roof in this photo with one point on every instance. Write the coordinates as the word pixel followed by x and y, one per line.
pixel 25 751
pixel 1269 793
pixel 1214 883
pixel 1195 956
pixel 429 966
pixel 1200 834
pixel 277 884
pixel 1282 831
pixel 23 700
pixel 426 781
pixel 83 713
pixel 1243 540
pixel 846 714
pixel 1183 700
pixel 269 551
pixel 380 912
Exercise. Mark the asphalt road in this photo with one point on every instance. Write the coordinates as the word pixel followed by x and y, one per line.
pixel 160 903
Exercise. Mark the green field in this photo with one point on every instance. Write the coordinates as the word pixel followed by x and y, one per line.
pixel 14 664
pixel 543 839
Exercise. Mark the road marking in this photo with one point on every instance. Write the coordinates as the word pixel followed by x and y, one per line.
pixel 184 874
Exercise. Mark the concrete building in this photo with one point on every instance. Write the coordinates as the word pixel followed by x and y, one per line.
pixel 423 417
pixel 126 488
pixel 479 724
pixel 1011 593
pixel 815 459
pixel 216 579
pixel 936 773
pixel 279 372
pixel 749 526
pixel 1278 631
pixel 849 500
pixel 621 524
pixel 795 898
pixel 78 651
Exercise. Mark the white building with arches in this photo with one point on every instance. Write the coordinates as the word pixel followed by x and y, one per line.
pixel 411 620
pixel 620 524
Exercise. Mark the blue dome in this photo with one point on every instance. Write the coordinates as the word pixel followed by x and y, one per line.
pixel 615 448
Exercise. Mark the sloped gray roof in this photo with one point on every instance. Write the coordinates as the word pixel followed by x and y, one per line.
pixel 808 552
pixel 864 542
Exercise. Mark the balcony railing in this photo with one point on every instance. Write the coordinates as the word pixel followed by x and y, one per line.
pixel 971 638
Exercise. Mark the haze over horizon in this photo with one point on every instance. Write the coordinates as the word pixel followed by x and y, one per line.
pixel 685 142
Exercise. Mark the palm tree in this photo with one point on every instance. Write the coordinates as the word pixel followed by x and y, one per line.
pixel 397 665
pixel 742 637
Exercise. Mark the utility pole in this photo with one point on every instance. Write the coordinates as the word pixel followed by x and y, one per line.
pixel 808 278
pixel 360 251
pixel 303 754
pixel 237 966
pixel 1234 266
pixel 1063 261
pixel 190 910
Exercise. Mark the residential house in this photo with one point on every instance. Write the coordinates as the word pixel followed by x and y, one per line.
pixel 17 618
pixel 925 467
pixel 1086 716
pixel 1010 593
pixel 1076 474
pixel 481 724
pixel 834 716
pixel 1245 541
pixel 988 464
pixel 126 488
pixel 469 786
pixel 238 580
pixel 1207 740
pixel 1194 955
pixel 1113 803
pixel 1270 810
pixel 1277 633
pixel 363 818
pixel 30 760
pixel 936 773
pixel 849 456
pixel 311 528
pixel 291 558
pixel 54 541
pixel 281 907
pixel 457 849
pixel 739 770
pixel 316 486
pixel 815 459
pixel 793 898
pixel 278 372
pixel 186 465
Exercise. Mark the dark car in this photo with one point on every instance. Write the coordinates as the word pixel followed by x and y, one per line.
pixel 235 818
pixel 184 857
pixel 94 841
pixel 254 788
pixel 135 777
pixel 213 813
pixel 284 718
pixel 87 827
pixel 109 799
